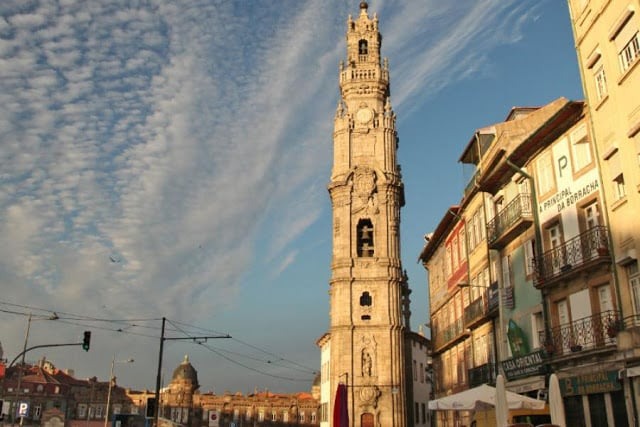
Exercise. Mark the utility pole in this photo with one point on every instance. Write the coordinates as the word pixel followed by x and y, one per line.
pixel 159 373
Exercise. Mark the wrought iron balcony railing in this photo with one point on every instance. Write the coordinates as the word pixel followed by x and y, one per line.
pixel 518 210
pixel 596 331
pixel 448 333
pixel 483 374
pixel 582 251
pixel 476 310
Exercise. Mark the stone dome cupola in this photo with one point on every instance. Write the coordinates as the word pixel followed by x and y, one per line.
pixel 185 372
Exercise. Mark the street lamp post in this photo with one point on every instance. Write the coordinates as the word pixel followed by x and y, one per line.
pixel 113 362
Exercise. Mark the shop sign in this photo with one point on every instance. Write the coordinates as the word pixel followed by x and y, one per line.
pixel 597 382
pixel 524 366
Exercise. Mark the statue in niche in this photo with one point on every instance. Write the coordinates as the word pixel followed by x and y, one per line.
pixel 367 363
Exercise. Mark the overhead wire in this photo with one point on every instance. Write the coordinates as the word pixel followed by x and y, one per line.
pixel 89 321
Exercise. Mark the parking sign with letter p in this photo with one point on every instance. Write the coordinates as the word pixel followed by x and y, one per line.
pixel 23 409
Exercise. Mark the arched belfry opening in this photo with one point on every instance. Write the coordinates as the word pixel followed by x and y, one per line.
pixel 365 238
pixel 363 47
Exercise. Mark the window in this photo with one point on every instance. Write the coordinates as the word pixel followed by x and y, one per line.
pixel 365 238
pixel 37 410
pixel 601 82
pixel 365 299
pixel 313 417
pixel 421 372
pixel 274 416
pixel 537 326
pixel 324 412
pixel 555 236
pixel 506 271
pixel 455 260
pixel 580 147
pixel 82 410
pixel 618 187
pixel 591 213
pixel 415 373
pixel 529 260
pixel 261 415
pixel 471 232
pixel 629 53
pixel 99 412
pixel 545 174
pixel 633 274
pixel 301 417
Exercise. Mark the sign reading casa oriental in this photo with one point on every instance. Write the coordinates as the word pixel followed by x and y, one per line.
pixel 524 366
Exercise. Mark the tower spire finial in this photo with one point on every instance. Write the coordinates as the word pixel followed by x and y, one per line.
pixel 364 5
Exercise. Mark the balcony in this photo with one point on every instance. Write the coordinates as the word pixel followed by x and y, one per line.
pixel 510 222
pixel 476 311
pixel 472 184
pixel 448 334
pixel 581 253
pixel 597 331
pixel 483 374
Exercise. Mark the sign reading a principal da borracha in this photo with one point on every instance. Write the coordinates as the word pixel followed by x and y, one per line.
pixel 523 366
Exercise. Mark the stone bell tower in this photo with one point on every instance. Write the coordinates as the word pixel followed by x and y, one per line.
pixel 368 290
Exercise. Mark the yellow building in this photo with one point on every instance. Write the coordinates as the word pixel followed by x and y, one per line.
pixel 607 41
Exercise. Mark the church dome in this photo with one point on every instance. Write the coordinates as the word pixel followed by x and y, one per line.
pixel 186 372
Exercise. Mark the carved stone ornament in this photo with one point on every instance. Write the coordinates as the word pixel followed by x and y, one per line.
pixel 369 396
pixel 365 190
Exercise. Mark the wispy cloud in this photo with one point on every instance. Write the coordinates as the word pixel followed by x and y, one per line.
pixel 172 136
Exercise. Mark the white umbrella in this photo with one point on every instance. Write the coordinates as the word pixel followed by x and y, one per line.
pixel 481 398
pixel 501 402
pixel 556 406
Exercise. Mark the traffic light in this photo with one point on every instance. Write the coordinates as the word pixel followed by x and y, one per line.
pixel 86 341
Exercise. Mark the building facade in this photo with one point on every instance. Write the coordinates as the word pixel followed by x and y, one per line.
pixel 535 292
pixel 365 348
pixel 58 399
pixel 607 39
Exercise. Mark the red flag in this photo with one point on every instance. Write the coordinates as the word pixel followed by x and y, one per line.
pixel 341 407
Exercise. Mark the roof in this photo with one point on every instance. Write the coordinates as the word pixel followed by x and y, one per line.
pixel 522 138
pixel 185 371
pixel 440 232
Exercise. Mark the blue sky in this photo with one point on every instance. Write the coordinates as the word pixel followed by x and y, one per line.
pixel 170 159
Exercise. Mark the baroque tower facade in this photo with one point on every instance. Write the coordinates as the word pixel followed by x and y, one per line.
pixel 365 347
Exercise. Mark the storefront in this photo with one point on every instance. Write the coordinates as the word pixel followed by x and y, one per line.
pixel 597 396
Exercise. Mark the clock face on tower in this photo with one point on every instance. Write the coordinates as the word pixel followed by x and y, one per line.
pixel 364 115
